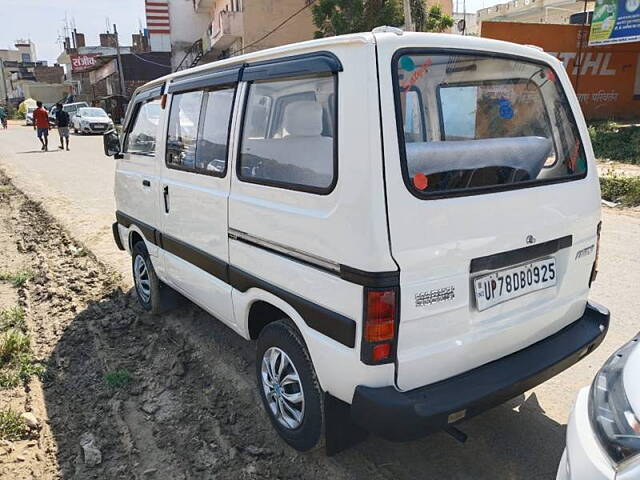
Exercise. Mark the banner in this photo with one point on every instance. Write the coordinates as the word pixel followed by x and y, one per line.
pixel 615 21
pixel 609 85
pixel 86 61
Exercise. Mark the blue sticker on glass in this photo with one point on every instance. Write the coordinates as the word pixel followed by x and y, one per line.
pixel 407 63
pixel 506 110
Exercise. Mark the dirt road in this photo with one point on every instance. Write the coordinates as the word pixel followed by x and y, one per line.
pixel 174 396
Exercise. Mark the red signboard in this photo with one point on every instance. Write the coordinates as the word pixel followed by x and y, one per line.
pixel 608 84
pixel 83 62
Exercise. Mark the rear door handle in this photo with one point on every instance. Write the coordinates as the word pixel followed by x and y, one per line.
pixel 165 194
pixel 146 183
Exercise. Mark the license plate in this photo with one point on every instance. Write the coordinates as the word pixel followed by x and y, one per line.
pixel 514 282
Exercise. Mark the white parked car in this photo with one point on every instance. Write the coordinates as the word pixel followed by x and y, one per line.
pixel 91 120
pixel 603 435
pixel 28 117
pixel 407 224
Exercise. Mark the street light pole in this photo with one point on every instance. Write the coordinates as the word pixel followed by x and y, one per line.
pixel 408 21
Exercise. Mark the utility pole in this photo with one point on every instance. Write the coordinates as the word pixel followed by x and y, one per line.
pixel 4 84
pixel 408 21
pixel 119 60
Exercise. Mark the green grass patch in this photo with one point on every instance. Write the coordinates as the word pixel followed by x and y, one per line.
pixel 620 188
pixel 12 318
pixel 118 378
pixel 12 426
pixel 615 142
pixel 16 359
pixel 17 279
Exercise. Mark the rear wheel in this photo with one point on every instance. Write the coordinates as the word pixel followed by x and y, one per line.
pixel 288 385
pixel 148 286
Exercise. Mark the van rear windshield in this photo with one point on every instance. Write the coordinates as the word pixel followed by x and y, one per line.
pixel 470 123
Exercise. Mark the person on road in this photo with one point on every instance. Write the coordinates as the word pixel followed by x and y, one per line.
pixel 41 124
pixel 62 122
pixel 3 117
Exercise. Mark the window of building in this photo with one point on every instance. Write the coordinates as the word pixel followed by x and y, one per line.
pixel 144 129
pixel 288 134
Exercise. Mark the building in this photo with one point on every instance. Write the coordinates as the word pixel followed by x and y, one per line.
pixel 137 69
pixel 78 59
pixel 173 26
pixel 533 11
pixel 23 76
pixel 198 31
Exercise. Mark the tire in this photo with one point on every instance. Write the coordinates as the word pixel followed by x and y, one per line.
pixel 281 340
pixel 146 283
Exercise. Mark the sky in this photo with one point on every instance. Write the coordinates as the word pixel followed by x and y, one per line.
pixel 43 21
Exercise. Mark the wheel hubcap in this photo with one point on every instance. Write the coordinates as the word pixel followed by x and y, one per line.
pixel 282 388
pixel 141 276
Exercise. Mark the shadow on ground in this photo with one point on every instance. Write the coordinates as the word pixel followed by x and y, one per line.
pixel 191 410
pixel 130 395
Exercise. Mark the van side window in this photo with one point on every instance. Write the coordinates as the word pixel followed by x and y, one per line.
pixel 211 151
pixel 183 130
pixel 143 130
pixel 288 134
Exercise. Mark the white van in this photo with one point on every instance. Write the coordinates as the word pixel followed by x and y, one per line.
pixel 407 223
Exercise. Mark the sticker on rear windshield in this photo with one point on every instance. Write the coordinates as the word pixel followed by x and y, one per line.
pixel 506 110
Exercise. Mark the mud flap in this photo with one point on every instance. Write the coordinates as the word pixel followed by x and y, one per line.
pixel 340 432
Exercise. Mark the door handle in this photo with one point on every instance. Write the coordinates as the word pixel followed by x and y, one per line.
pixel 146 183
pixel 165 194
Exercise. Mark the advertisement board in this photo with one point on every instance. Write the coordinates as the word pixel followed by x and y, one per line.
pixel 83 62
pixel 609 75
pixel 615 21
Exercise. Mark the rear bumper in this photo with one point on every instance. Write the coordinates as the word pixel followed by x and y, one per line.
pixel 401 416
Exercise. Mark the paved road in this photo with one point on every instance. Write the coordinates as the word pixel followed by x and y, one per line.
pixel 76 187
pixel 523 439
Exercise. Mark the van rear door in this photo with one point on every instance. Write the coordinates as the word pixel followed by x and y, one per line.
pixel 491 192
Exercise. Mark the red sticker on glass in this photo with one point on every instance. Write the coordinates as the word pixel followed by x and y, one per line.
pixel 550 75
pixel 420 181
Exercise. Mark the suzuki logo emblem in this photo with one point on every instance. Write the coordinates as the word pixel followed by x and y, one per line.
pixel 530 240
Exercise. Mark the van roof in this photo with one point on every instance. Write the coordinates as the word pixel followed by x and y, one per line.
pixel 379 36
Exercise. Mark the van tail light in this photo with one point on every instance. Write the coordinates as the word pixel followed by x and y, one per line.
pixel 379 328
pixel 594 269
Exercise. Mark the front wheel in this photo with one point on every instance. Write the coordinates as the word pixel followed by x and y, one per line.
pixel 288 385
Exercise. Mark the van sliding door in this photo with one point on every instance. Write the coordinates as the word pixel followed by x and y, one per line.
pixel 194 193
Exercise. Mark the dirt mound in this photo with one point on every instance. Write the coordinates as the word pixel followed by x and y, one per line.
pixel 126 394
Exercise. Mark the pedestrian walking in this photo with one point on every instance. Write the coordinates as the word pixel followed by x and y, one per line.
pixel 3 117
pixel 41 124
pixel 62 122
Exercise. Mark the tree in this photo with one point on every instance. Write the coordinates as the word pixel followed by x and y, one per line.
pixel 337 17
pixel 429 19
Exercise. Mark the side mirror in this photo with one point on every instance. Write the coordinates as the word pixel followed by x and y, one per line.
pixel 111 142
